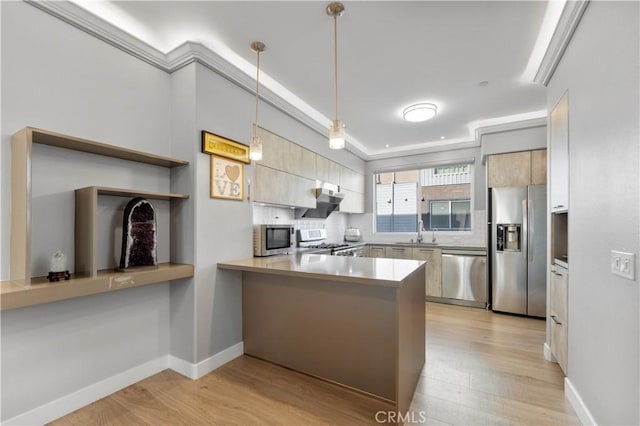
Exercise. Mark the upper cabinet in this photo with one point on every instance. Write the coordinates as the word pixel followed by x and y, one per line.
pixel 539 167
pixel 352 185
pixel 559 155
pixel 273 186
pixel 517 169
pixel 287 175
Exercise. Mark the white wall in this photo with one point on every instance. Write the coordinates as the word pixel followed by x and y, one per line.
pixel 59 78
pixel 600 69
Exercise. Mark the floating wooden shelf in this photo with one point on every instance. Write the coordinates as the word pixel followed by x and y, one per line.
pixel 119 192
pixel 18 294
pixel 23 290
pixel 45 137
pixel 86 222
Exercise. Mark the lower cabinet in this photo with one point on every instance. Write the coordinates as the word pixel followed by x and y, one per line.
pixel 398 252
pixel 433 271
pixel 558 315
pixel 433 257
pixel 375 251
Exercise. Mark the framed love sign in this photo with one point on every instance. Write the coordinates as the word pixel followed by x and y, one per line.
pixel 227 179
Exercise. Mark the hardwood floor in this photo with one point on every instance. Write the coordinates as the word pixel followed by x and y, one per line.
pixel 482 369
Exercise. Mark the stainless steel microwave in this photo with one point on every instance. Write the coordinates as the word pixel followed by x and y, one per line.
pixel 272 239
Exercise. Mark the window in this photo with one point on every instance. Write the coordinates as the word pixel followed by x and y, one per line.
pixel 396 207
pixel 439 196
pixel 449 215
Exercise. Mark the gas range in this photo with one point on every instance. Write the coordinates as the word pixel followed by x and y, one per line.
pixel 316 239
pixel 331 246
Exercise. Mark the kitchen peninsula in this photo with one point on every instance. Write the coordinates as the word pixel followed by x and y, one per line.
pixel 355 321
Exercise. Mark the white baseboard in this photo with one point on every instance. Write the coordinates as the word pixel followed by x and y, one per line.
pixel 195 371
pixel 62 406
pixel 547 353
pixel 577 403
pixel 57 408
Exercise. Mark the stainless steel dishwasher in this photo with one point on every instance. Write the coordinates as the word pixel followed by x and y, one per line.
pixel 464 277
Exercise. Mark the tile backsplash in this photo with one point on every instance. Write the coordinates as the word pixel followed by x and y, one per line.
pixel 335 224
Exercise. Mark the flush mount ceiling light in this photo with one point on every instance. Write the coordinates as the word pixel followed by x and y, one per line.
pixel 419 112
pixel 336 132
pixel 255 150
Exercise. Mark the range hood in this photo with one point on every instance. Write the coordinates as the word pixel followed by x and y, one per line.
pixel 327 201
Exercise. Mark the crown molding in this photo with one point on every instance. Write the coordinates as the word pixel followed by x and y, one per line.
pixel 567 24
pixel 192 52
pixel 84 20
pixel 507 127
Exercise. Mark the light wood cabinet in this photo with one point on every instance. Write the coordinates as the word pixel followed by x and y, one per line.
pixel 352 185
pixel 273 186
pixel 517 169
pixel 558 317
pixel 559 155
pixel 376 251
pixel 327 171
pixel 86 279
pixel 512 169
pixel 275 150
pixel 334 172
pixel 280 154
pixel 351 180
pixel 353 202
pixel 433 270
pixel 322 168
pixel 287 174
pixel 300 161
pixel 539 167
pixel 398 252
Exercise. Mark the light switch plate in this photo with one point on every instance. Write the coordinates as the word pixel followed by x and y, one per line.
pixel 623 264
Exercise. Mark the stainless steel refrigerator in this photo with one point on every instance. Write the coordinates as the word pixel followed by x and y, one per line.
pixel 518 244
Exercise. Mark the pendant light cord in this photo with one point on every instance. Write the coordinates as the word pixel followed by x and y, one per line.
pixel 255 124
pixel 335 58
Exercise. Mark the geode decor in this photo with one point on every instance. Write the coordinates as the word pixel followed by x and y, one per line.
pixel 139 240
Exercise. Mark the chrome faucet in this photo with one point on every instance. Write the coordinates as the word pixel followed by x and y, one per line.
pixel 420 229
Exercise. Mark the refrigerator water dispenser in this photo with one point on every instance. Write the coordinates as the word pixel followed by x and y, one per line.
pixel 508 237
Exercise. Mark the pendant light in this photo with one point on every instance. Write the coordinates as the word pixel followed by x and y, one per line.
pixel 255 151
pixel 336 132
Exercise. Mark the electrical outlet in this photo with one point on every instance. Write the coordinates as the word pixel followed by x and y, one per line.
pixel 623 264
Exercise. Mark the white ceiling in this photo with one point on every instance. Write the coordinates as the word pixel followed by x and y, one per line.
pixel 391 54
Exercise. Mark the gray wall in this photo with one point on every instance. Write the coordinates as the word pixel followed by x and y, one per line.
pixel 600 71
pixel 514 140
pixel 59 78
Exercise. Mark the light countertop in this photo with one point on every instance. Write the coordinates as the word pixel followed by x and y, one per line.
pixel 443 246
pixel 357 270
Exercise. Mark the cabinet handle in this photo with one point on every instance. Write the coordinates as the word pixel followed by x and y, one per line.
pixel 553 317
pixel 556 273
pixel 558 206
